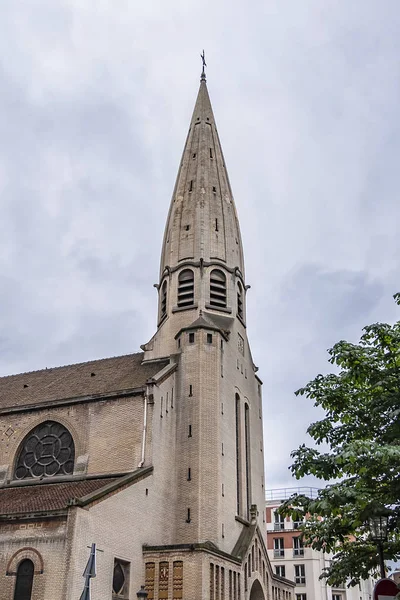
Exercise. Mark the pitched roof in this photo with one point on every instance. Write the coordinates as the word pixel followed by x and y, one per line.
pixel 208 321
pixel 72 381
pixel 34 497
pixel 46 497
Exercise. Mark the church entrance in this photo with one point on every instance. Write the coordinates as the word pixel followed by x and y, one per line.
pixel 256 591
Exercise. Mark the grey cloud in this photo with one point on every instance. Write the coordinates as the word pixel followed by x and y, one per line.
pixel 94 107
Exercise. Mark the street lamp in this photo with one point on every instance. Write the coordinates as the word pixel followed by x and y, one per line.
pixel 142 592
pixel 379 527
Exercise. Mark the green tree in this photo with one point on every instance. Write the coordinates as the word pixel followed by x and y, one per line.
pixel 360 453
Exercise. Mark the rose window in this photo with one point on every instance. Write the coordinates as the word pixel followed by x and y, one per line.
pixel 47 450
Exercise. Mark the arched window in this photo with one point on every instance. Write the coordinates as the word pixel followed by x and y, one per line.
pixel 164 299
pixel 217 289
pixel 238 456
pixel 24 582
pixel 239 301
pixel 46 451
pixel 186 288
pixel 247 461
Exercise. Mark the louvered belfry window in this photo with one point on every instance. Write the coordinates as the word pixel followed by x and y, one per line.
pixel 239 301
pixel 47 450
pixel 164 299
pixel 217 289
pixel 186 288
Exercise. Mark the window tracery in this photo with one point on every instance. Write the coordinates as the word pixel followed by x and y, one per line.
pixel 47 450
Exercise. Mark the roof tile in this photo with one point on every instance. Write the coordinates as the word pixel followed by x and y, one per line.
pixel 46 497
pixel 83 379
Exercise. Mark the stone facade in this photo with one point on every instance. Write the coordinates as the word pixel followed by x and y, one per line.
pixel 156 457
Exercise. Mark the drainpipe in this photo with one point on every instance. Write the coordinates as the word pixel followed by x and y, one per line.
pixel 144 430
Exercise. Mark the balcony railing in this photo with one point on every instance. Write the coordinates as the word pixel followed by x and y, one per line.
pixel 282 494
pixel 278 552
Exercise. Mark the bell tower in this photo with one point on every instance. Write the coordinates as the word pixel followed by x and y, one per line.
pixel 201 325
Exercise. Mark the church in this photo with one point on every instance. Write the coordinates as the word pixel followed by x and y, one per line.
pixel 155 457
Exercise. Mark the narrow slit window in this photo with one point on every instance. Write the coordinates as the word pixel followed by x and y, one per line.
pixel 247 457
pixel 216 224
pixel 191 338
pixel 217 289
pixel 211 153
pixel 191 185
pixel 194 155
pixel 238 456
pixel 209 338
pixel 190 390
pixel 188 519
pixel 190 431
pixel 185 288
pixel 189 474
pixel 214 189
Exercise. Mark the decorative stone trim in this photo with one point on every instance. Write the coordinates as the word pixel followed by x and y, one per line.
pixel 22 554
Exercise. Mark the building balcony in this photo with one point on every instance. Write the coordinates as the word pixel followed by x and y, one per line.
pixel 281 494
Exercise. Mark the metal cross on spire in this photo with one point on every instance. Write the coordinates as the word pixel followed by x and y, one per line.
pixel 203 73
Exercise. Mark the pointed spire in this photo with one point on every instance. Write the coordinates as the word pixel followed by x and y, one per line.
pixel 202 111
pixel 202 224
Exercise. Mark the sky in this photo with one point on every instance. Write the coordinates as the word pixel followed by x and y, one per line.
pixel 95 103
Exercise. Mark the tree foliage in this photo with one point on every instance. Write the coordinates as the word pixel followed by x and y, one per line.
pixel 358 448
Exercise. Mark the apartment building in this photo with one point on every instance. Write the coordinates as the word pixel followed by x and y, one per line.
pixel 290 559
